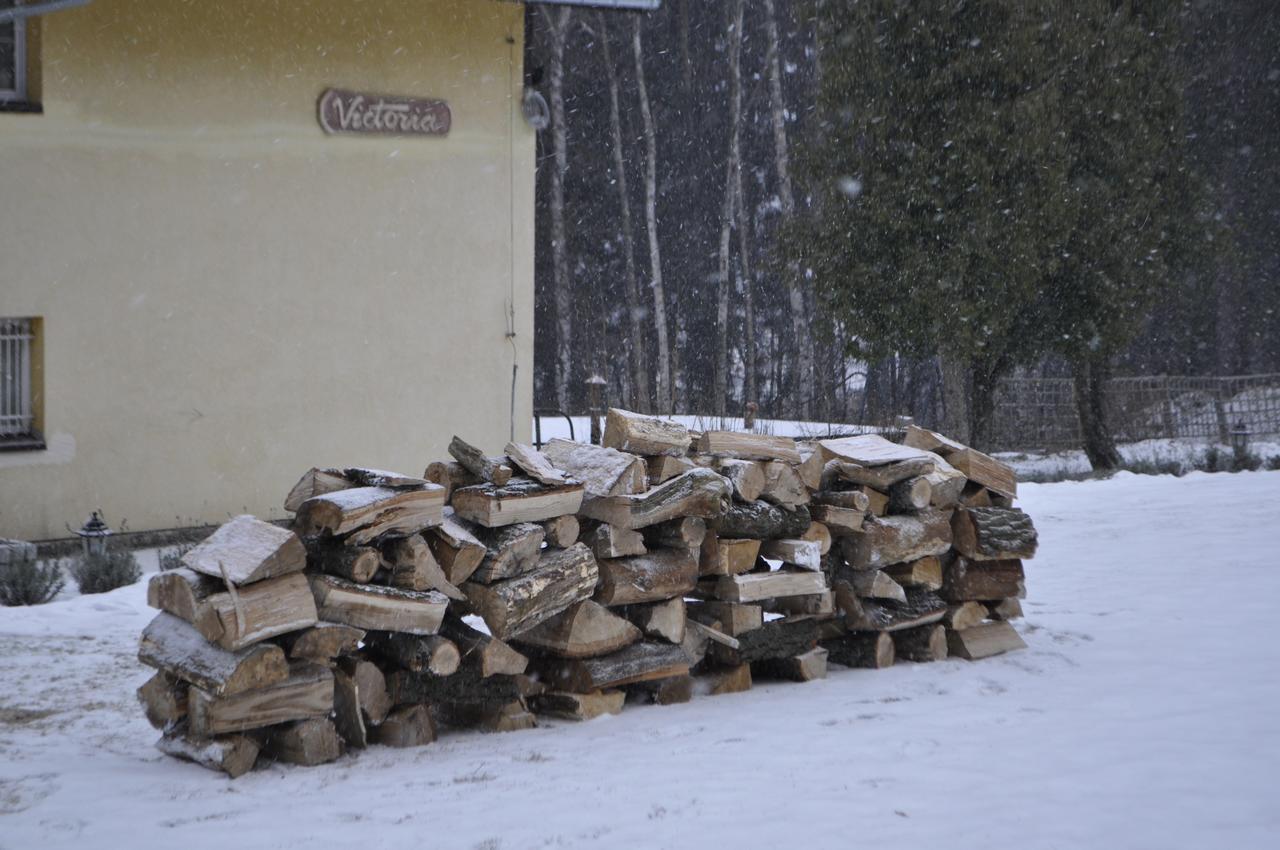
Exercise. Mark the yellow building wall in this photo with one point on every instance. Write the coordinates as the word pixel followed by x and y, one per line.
pixel 228 295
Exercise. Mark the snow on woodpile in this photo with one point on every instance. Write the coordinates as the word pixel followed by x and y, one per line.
pixel 498 589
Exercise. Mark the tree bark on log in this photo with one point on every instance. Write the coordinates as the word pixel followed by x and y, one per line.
pixel 654 577
pixel 583 630
pixel 993 534
pixel 562 577
pixel 174 646
pixel 699 492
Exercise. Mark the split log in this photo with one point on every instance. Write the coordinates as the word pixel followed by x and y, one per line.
pixel 684 533
pixel 994 534
pixel 644 435
pixel 233 755
pixel 535 464
pixel 665 467
pixel 783 485
pixel 761 521
pixel 987 471
pixel 921 608
pixel 174 646
pixel 745 476
pixel 749 446
pixel 371 688
pixel 775 639
pixel 263 610
pixel 636 663
pixel 672 690
pixel 562 531
pixel 306 693
pixel 348 718
pixel 911 495
pixel 164 700
pixel 323 642
pixel 861 649
pixel 696 643
pixel 805 554
pixel 754 587
pixel 948 484
pixel 571 706
pixel 975 495
pixel 653 577
pixel 414 567
pixel 466 687
pixel 483 652
pixel 733 619
pixel 361 476
pixel 712 633
pixel 874 584
pixel 698 492
pixel 407 726
pixel 895 539
pixel 246 550
pixel 984 641
pixel 511 551
pixel 315 482
pixel 810 467
pixel 804 667
pixel 659 620
pixel 474 461
pixel 457 550
pixel 839 522
pixel 922 644
pixel 869 450
pixel 582 630
pixel 183 593
pixel 818 532
pixel 562 577
pixel 418 653
pixel 387 609
pixel 931 441
pixel 521 500
pixel 305 742
pixel 852 500
pixel 450 475
pixel 731 680
pixel 965 615
pixel 354 563
pixel 361 514
pixel 603 471
pixel 1005 609
pixel 609 541
pixel 982 581
pixel 812 606
pixel 725 556
pixel 510 716
pixel 924 573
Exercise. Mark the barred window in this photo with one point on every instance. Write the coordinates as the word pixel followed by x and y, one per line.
pixel 13 58
pixel 17 378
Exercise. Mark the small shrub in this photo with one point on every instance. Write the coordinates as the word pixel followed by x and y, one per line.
pixel 1213 457
pixel 30 583
pixel 1273 462
pixel 171 558
pixel 100 573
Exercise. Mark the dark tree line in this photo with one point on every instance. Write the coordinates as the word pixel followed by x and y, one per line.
pixel 694 150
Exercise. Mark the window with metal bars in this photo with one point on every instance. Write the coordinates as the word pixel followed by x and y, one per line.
pixel 13 56
pixel 17 379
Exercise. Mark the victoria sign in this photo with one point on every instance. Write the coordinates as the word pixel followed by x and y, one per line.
pixel 376 114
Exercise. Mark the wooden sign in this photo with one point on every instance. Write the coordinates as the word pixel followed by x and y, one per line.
pixel 343 111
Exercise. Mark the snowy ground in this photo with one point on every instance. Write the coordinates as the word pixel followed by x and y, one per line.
pixel 1143 715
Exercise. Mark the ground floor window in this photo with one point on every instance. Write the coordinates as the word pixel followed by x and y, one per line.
pixel 19 383
pixel 13 56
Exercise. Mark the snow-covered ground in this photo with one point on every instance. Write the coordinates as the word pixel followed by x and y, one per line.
pixel 1143 715
pixel 1184 454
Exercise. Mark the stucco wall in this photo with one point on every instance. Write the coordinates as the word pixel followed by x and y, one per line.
pixel 229 296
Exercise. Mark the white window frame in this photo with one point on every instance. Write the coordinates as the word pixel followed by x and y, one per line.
pixel 17 410
pixel 19 91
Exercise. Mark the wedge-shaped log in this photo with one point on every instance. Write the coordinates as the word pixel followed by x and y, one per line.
pixel 306 692
pixel 775 639
pixel 234 755
pixel 1005 609
pixel 355 563
pixel 982 581
pixel 363 513
pixel 316 482
pixel 493 470
pixel 164 700
pixel 924 573
pixel 724 680
pixel 993 534
pixel 922 644
pixel 839 522
pixel 414 566
pixel 407 726
pixel 874 584
pixel 571 706
pixel 582 630
pixel 323 642
pixel 804 667
pixel 535 464
pixel 732 618
pixel 601 470
pixel 521 500
pixel 371 688
pixel 184 593
pixel 637 663
pixel 810 467
pixel 931 441
pixel 246 550
pixel 482 652
pixel 921 608
pixel 895 539
pixel 562 577
pixel 644 435
pixel 869 450
pixel 304 742
pixel 457 550
pixel 805 554
pixel 562 531
pixel 609 541
pixel 174 646
pixel 659 575
pixel 783 485
pixel 699 492
pixel 263 610
pixel 665 467
pixel 947 484
pixel 760 521
pixel 510 551
pixel 387 609
pixel 984 641
pixel 659 620
pixel 450 475
pixel 861 649
pixel 754 587
pixel 683 533
pixel 727 556
pixel 746 477
pixel 987 471
pixel 749 446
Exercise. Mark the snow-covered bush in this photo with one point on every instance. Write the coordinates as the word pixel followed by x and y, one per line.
pixel 100 573
pixel 171 558
pixel 27 582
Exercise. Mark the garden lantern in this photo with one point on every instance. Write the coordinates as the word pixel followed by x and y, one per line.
pixel 1240 440
pixel 93 536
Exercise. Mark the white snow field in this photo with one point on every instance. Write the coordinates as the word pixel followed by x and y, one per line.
pixel 1143 715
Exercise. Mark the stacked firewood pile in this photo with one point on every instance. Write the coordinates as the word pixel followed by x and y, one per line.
pixel 569 581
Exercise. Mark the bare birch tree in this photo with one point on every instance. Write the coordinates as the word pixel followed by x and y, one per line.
pixel 744 247
pixel 558 27
pixel 725 270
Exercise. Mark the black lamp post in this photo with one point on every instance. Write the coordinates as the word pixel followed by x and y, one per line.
pixel 1240 441
pixel 93 536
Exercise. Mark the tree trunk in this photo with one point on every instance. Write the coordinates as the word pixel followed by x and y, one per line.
pixel 721 389
pixel 1090 373
pixel 557 25
pixel 955 398
pixel 641 394
pixel 663 383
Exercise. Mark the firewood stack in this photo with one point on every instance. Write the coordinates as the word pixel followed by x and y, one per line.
pixel 568 581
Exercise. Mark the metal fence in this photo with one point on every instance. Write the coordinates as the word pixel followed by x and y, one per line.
pixel 1040 413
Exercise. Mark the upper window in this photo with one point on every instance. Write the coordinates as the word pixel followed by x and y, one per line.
pixel 13 56
pixel 19 383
